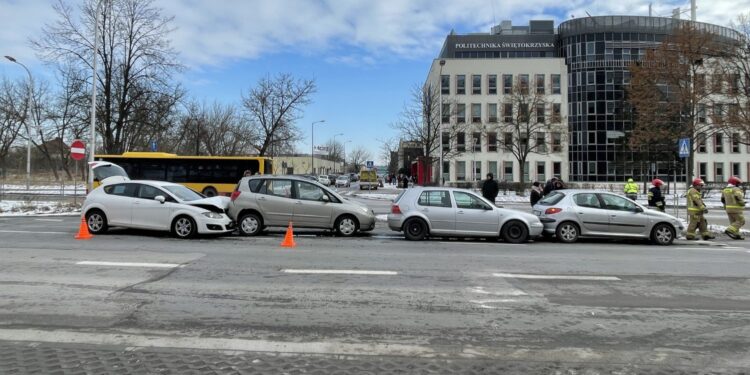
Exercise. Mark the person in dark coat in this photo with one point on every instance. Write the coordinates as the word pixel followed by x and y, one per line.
pixel 490 188
pixel 555 183
pixel 536 193
pixel 655 198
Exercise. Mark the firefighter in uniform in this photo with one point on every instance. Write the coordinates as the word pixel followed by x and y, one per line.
pixel 631 190
pixel 733 199
pixel 655 199
pixel 696 209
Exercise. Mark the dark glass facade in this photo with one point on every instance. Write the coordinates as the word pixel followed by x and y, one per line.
pixel 598 52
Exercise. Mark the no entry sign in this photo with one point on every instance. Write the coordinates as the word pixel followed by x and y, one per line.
pixel 77 150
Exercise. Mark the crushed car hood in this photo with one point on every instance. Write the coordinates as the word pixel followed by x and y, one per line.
pixel 213 204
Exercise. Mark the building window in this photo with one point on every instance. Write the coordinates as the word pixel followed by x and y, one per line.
pixel 718 113
pixel 699 83
pixel 539 79
pixel 719 172
pixel 446 141
pixel 717 83
pixel 540 169
pixel 526 171
pixel 445 84
pixel 523 113
pixel 523 82
pixel 557 168
pixel 492 112
pixel 507 83
pixel 556 142
pixel 701 142
pixel 461 113
pixel 492 84
pixel 508 112
pixel 477 141
pixel 703 171
pixel 540 113
pixel 700 113
pixel 556 115
pixel 736 169
pixel 476 113
pixel 508 141
pixel 476 84
pixel 492 168
pixel 735 140
pixel 477 170
pixel 541 143
pixel 461 141
pixel 508 171
pixel 555 83
pixel 492 142
pixel 461 171
pixel 592 167
pixel 446 170
pixel 446 113
pixel 460 84
pixel 718 143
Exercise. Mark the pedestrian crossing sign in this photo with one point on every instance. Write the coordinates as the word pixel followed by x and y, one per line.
pixel 683 147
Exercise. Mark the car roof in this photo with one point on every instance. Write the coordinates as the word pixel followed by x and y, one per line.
pixel 151 182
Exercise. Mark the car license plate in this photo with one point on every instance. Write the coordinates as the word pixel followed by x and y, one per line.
pixel 537 212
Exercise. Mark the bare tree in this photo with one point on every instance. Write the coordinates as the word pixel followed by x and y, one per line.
pixel 670 93
pixel 736 69
pixel 528 117
pixel 387 147
pixel 12 106
pixel 425 121
pixel 212 129
pixel 357 157
pixel 335 150
pixel 137 61
pixel 273 106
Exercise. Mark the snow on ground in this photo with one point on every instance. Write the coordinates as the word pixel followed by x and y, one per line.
pixel 63 189
pixel 27 208
pixel 378 196
pixel 383 218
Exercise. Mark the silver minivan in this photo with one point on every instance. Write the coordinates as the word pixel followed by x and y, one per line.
pixel 274 201
pixel 450 212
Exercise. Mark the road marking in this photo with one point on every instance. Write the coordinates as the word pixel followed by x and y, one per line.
pixel 464 243
pixel 31 231
pixel 506 292
pixel 486 301
pixel 55 220
pixel 556 277
pixel 710 248
pixel 127 264
pixel 341 272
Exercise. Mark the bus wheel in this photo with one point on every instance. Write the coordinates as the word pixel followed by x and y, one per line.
pixel 210 192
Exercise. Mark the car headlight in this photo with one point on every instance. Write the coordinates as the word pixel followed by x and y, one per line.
pixel 212 215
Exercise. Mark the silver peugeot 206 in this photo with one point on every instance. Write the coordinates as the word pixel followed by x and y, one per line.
pixel 423 212
pixel 572 214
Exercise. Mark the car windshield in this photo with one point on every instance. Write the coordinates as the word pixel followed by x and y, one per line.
pixel 183 193
pixel 551 199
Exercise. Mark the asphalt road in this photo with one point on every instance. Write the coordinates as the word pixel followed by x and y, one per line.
pixel 141 302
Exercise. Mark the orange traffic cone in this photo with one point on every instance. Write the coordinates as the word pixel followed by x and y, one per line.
pixel 83 230
pixel 289 237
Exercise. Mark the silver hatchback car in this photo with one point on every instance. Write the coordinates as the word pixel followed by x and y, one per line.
pixel 273 201
pixel 570 214
pixel 449 212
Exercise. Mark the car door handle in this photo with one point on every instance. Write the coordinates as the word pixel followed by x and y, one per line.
pixel 425 210
pixel 261 198
pixel 460 212
pixel 298 202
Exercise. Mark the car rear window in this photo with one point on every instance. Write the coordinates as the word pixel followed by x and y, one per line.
pixel 398 197
pixel 552 199
pixel 254 184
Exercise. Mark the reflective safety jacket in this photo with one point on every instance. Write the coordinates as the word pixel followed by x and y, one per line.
pixel 631 188
pixel 733 199
pixel 655 199
pixel 695 201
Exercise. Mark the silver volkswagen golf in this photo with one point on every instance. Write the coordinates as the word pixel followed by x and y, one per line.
pixel 273 201
pixel 570 214
pixel 449 212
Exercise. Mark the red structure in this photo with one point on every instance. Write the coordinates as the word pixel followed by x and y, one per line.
pixel 422 170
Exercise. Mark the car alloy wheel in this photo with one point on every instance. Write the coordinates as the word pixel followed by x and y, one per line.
pixel 250 225
pixel 96 222
pixel 663 234
pixel 184 227
pixel 346 226
pixel 567 232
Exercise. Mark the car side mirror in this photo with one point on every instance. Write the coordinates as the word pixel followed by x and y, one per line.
pixel 160 198
pixel 638 209
pixel 325 198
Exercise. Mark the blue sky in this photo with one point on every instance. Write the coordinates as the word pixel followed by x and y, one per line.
pixel 364 55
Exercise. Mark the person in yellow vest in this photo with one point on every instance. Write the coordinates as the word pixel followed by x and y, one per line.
pixel 733 199
pixel 631 190
pixel 696 209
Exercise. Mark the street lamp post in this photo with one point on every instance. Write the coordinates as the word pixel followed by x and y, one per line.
pixel 92 130
pixel 440 132
pixel 344 156
pixel 28 112
pixel 334 151
pixel 312 145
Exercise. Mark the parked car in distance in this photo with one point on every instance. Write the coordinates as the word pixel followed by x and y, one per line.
pixel 155 205
pixel 572 214
pixel 323 179
pixel 343 181
pixel 422 212
pixel 332 179
pixel 259 202
pixel 368 180
pixel 353 177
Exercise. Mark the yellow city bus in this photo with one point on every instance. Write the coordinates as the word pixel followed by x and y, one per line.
pixel 210 175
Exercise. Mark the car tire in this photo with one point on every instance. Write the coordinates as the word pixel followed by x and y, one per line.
pixel 346 226
pixel 567 232
pixel 515 232
pixel 415 229
pixel 210 192
pixel 663 234
pixel 184 227
pixel 96 221
pixel 250 224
